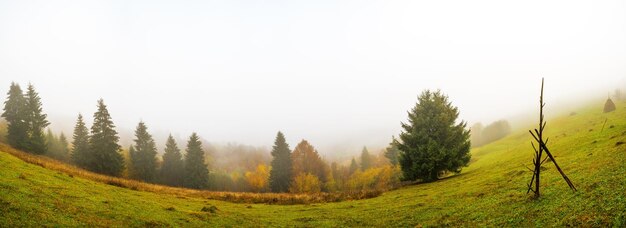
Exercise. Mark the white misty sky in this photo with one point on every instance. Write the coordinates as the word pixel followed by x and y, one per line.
pixel 341 74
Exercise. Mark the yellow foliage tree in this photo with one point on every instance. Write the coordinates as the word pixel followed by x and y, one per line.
pixel 305 183
pixel 382 178
pixel 258 180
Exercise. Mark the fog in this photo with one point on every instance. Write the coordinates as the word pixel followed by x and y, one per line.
pixel 341 74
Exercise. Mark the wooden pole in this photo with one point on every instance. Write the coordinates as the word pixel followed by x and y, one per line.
pixel 538 161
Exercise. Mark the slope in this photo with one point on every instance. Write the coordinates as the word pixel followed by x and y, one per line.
pixel 491 191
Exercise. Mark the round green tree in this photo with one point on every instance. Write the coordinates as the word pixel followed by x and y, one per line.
pixel 433 142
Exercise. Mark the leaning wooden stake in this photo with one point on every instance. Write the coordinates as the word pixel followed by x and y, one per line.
pixel 537 160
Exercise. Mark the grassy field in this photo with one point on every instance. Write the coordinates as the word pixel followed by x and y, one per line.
pixel 491 191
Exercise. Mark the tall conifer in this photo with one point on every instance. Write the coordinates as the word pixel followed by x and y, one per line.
pixel 366 160
pixel 196 171
pixel 143 158
pixel 433 141
pixel 103 144
pixel 280 174
pixel 172 168
pixel 80 144
pixel 15 113
pixel 36 121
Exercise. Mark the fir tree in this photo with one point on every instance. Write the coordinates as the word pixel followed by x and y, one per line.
pixel 196 171
pixel 80 149
pixel 432 142
pixel 392 152
pixel 15 113
pixel 366 160
pixel 353 166
pixel 173 166
pixel 129 163
pixel 280 174
pixel 55 149
pixel 64 149
pixel 103 144
pixel 36 121
pixel 143 158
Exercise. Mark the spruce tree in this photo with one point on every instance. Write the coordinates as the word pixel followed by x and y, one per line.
pixel 280 174
pixel 143 158
pixel 53 145
pixel 366 160
pixel 15 113
pixel 64 150
pixel 103 144
pixel 80 145
pixel 392 152
pixel 172 168
pixel 432 142
pixel 129 168
pixel 36 121
pixel 353 166
pixel 196 171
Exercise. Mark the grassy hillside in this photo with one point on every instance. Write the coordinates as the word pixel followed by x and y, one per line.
pixel 491 191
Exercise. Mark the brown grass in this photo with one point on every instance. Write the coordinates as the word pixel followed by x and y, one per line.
pixel 235 197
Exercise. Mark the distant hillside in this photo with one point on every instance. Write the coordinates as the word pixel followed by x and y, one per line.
pixel 589 146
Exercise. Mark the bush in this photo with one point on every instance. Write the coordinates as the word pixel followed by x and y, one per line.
pixel 380 179
pixel 258 180
pixel 305 183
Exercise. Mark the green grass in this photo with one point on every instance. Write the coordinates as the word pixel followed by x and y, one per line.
pixel 491 191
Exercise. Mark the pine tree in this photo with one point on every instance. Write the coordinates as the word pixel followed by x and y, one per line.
pixel 196 171
pixel 64 150
pixel 280 174
pixel 432 142
pixel 37 122
pixel 15 113
pixel 53 145
pixel 80 149
pixel 129 163
pixel 103 144
pixel 144 157
pixel 353 166
pixel 392 153
pixel 366 160
pixel 173 166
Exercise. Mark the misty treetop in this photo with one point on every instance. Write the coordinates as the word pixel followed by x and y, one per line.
pixel 353 166
pixel 432 142
pixel 366 160
pixel 58 147
pixel 480 135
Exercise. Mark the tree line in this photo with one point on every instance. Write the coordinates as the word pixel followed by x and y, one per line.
pixel 97 148
pixel 431 144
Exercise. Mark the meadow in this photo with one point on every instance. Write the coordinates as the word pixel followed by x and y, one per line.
pixel 588 145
